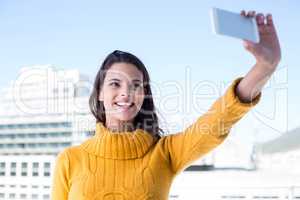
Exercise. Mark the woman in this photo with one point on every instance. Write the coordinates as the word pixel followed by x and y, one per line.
pixel 127 158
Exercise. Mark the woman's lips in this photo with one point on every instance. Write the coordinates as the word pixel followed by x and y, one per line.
pixel 124 107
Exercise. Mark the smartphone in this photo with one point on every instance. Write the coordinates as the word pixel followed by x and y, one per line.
pixel 234 25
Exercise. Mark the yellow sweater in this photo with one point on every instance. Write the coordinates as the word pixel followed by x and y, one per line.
pixel 132 165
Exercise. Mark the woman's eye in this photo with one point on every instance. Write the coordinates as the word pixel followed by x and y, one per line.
pixel 114 84
pixel 137 85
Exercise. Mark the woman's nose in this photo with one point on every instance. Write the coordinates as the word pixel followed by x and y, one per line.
pixel 126 91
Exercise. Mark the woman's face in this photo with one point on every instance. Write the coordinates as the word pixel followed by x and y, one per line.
pixel 122 93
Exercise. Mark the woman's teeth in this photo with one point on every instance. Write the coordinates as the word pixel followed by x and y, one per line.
pixel 124 105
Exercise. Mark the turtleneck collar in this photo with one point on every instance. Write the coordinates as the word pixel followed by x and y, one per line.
pixel 118 145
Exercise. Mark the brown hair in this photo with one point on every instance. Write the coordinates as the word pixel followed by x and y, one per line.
pixel 146 118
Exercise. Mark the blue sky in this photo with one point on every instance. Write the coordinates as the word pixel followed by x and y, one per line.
pixel 167 35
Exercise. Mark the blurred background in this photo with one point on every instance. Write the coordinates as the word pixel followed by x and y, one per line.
pixel 50 52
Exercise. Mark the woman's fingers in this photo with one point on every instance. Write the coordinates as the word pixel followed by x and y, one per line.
pixel 251 13
pixel 260 18
pixel 248 14
pixel 269 20
pixel 264 22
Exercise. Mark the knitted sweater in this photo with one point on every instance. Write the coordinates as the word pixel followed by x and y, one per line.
pixel 135 166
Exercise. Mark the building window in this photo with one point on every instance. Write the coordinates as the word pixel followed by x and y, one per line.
pixel 2 169
pixel 65 144
pixel 1 195
pixel 34 196
pixel 31 145
pixel 13 167
pixel 24 169
pixel 35 169
pixel 32 135
pixel 53 144
pixel 12 196
pixel 46 196
pixel 23 196
pixel 22 146
pixel 42 145
pixel 46 169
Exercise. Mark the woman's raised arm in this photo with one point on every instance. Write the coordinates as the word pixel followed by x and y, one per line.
pixel 267 54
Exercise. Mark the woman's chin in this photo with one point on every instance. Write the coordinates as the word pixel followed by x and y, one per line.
pixel 125 117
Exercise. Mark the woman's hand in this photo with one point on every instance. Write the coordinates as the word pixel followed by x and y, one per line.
pixel 267 52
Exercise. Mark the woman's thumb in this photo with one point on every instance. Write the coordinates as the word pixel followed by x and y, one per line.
pixel 248 45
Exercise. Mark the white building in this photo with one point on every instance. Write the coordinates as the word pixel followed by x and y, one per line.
pixel 42 112
pixel 280 154
pixel 25 177
pixel 276 174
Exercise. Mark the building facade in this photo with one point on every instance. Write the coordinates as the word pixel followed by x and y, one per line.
pixel 42 112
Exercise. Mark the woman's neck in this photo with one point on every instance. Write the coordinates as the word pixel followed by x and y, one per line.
pixel 121 126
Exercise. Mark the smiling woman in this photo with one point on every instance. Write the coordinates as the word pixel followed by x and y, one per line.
pixel 127 158
pixel 122 98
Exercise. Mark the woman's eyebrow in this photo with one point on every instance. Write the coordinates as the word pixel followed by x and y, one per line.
pixel 134 80
pixel 114 79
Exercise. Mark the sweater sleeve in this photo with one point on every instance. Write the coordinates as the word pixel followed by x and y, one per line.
pixel 209 130
pixel 61 177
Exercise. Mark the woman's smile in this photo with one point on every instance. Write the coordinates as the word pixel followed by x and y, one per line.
pixel 124 107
